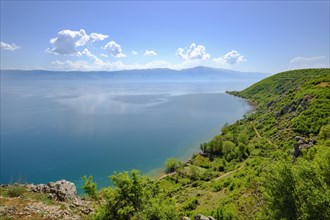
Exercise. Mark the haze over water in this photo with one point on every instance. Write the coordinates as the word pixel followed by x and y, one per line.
pixel 57 129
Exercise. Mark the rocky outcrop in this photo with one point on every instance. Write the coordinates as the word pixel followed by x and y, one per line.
pixel 63 203
pixel 198 217
pixel 293 107
pixel 61 190
pixel 202 217
pixel 300 144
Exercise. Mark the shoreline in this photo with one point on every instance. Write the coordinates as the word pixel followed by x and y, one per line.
pixel 159 173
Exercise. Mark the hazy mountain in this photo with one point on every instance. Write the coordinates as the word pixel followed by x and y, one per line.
pixel 197 73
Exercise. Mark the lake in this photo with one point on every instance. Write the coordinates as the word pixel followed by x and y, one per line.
pixel 58 129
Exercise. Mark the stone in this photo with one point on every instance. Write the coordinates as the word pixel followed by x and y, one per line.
pixel 201 217
pixel 63 189
pixel 301 144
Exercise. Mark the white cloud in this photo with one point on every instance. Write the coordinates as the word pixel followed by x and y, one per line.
pixel 134 53
pixel 231 58
pixel 306 59
pixel 114 49
pixel 104 55
pixel 92 56
pixel 308 62
pixel 10 47
pixel 97 37
pixel 99 65
pixel 193 53
pixel 150 53
pixel 67 41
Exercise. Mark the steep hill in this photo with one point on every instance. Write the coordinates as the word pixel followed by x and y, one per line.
pixel 272 164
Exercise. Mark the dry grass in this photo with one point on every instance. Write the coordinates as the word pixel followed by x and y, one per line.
pixel 324 84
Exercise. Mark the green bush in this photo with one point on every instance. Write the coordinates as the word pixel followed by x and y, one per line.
pixel 172 164
pixel 89 187
pixel 134 197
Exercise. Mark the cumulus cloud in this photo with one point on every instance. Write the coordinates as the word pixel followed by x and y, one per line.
pixel 114 49
pixel 104 55
pixel 10 47
pixel 97 37
pixel 194 52
pixel 92 56
pixel 231 58
pixel 306 59
pixel 150 53
pixel 67 41
pixel 134 53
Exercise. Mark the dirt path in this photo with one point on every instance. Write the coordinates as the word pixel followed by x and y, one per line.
pixel 226 174
pixel 255 130
pixel 166 175
pixel 259 136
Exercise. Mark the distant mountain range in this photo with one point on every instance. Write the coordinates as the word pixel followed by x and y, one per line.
pixel 199 73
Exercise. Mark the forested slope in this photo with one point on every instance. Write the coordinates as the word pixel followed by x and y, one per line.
pixel 274 163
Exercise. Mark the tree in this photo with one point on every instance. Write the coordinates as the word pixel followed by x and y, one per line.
pixel 325 132
pixel 89 187
pixel 216 145
pixel 279 192
pixel 172 164
pixel 135 197
pixel 204 147
pixel 296 191
pixel 229 150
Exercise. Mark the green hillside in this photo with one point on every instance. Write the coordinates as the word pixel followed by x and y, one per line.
pixel 251 169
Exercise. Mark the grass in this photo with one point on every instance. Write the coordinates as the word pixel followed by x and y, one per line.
pixel 14 191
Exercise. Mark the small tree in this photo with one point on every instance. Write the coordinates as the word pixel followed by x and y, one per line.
pixel 172 164
pixel 89 187
pixel 134 196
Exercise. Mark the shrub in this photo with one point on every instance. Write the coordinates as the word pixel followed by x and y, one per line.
pixel 172 164
pixel 89 187
pixel 191 205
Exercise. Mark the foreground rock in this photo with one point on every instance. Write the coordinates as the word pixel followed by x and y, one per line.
pixel 55 200
pixel 202 217
pixel 199 217
pixel 61 190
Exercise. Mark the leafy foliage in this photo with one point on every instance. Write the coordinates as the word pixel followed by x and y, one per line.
pixel 135 197
pixel 89 187
pixel 296 191
pixel 172 164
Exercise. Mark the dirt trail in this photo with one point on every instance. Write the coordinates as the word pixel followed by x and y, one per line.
pixel 166 175
pixel 226 174
pixel 259 136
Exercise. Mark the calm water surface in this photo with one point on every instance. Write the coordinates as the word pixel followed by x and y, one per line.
pixel 52 130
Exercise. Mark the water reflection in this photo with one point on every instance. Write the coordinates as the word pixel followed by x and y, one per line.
pixel 67 129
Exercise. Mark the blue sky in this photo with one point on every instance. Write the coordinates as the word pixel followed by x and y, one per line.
pixel 269 36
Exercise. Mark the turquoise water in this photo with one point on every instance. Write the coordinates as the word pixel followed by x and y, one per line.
pixel 53 130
